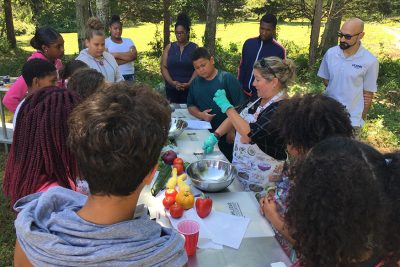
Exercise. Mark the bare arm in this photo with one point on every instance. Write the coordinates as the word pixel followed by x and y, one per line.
pixel 241 126
pixel 129 56
pixel 121 61
pixel 225 127
pixel 368 96
pixel 20 258
pixel 202 115
pixel 163 66
pixel 325 81
pixel 269 210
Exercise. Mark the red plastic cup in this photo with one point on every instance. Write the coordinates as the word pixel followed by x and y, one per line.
pixel 190 230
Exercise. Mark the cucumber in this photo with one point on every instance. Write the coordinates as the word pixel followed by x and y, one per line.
pixel 162 178
pixel 186 164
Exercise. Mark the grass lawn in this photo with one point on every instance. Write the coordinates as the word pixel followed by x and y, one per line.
pixel 382 130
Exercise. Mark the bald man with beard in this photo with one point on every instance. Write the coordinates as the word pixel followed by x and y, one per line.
pixel 350 72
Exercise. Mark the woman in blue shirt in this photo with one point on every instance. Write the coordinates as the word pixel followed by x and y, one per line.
pixel 176 64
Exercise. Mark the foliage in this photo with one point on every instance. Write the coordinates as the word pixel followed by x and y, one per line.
pixel 22 18
pixel 156 44
pixel 147 69
pixel 60 15
pixel 152 10
pixel 227 59
pixel 368 10
pixel 4 45
pixel 375 132
pixel 18 56
pixel 7 236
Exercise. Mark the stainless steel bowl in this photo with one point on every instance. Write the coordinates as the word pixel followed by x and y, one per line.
pixel 211 175
pixel 177 127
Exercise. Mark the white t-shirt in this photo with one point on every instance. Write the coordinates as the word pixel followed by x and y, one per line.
pixel 349 77
pixel 125 46
pixel 14 121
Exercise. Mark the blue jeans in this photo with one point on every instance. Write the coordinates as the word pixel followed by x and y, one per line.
pixel 129 77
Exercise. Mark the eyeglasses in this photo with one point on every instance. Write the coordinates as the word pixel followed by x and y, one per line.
pixel 180 33
pixel 347 36
pixel 264 64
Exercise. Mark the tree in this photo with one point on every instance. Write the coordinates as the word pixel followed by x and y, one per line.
pixel 82 15
pixel 36 7
pixel 211 26
pixel 329 37
pixel 103 12
pixel 167 21
pixel 315 29
pixel 9 23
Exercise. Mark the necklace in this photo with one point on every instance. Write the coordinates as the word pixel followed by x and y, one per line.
pixel 99 60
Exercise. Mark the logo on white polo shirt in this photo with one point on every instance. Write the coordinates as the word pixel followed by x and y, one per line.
pixel 356 66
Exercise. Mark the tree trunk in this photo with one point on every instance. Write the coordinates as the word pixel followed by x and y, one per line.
pixel 329 37
pixel 36 6
pixel 103 12
pixel 167 21
pixel 211 26
pixel 315 30
pixel 82 15
pixel 9 23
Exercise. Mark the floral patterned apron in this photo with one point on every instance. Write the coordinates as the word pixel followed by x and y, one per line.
pixel 255 168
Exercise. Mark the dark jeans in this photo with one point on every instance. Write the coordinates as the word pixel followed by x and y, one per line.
pixel 175 96
pixel 129 77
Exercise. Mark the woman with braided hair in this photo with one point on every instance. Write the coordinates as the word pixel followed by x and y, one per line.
pixel 39 157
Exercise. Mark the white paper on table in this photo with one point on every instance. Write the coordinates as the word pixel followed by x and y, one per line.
pixel 243 204
pixel 183 113
pixel 221 228
pixel 183 106
pixel 278 264
pixel 198 125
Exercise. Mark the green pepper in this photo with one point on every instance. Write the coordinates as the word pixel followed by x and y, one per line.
pixel 162 178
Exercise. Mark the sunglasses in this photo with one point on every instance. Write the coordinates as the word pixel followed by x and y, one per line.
pixel 347 36
pixel 264 64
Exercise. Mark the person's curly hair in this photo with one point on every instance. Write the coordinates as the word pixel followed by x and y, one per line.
pixel 391 185
pixel 303 121
pixel 116 135
pixel 336 208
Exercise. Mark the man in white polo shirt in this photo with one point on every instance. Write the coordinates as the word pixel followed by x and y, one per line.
pixel 350 72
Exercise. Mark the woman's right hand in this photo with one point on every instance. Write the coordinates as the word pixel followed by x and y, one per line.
pixel 179 86
pixel 209 143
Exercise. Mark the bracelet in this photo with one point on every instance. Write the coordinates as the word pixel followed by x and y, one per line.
pixel 271 188
pixel 217 135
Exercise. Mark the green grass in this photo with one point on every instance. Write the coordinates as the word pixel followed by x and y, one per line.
pixel 382 128
pixel 7 236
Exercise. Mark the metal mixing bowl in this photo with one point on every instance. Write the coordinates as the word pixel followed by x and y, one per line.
pixel 177 127
pixel 211 175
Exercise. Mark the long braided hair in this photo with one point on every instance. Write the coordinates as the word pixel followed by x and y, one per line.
pixel 39 154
